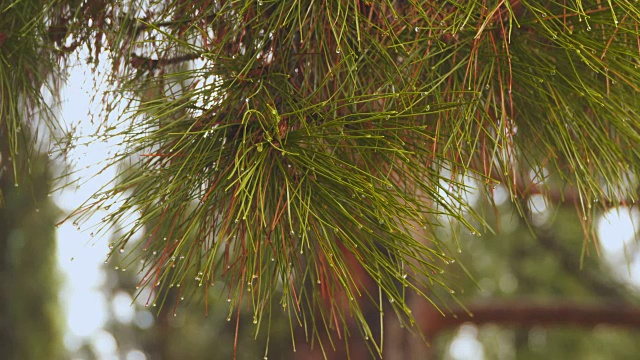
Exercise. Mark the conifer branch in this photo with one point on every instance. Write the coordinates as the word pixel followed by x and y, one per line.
pixel 312 141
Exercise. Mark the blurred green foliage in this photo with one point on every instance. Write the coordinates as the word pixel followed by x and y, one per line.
pixel 538 257
pixel 30 313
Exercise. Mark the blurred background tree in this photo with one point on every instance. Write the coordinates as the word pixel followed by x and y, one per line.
pixel 539 288
pixel 30 313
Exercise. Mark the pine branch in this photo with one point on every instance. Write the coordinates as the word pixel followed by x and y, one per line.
pixel 313 136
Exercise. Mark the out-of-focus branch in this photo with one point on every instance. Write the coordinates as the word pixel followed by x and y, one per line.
pixel 523 312
pixel 525 187
pixel 591 277
pixel 141 62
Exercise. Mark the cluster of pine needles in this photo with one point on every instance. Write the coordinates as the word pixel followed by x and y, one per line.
pixel 303 150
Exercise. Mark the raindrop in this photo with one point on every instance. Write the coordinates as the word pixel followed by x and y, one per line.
pixel 338 51
pixel 416 29
pixel 121 250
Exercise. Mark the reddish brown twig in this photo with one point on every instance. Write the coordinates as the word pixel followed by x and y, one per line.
pixel 523 312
